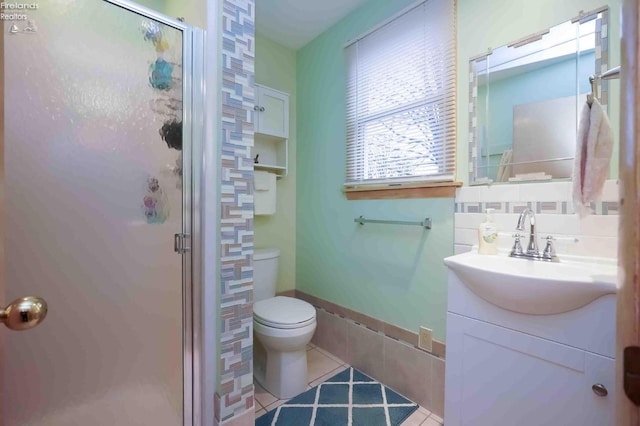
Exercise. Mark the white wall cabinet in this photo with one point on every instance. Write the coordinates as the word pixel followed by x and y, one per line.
pixel 497 376
pixel 271 116
pixel 271 112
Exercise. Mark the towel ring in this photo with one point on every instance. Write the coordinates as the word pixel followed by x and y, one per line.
pixel 594 90
pixel 608 75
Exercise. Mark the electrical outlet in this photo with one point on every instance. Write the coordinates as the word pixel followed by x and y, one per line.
pixel 425 339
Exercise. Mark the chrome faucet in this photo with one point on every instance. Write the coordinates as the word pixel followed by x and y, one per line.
pixel 532 247
pixel 532 251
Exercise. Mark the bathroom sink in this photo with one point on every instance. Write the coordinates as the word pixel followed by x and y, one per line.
pixel 534 287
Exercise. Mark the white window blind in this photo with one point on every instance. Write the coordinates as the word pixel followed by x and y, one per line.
pixel 401 99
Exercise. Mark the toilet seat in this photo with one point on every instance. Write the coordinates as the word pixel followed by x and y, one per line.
pixel 284 313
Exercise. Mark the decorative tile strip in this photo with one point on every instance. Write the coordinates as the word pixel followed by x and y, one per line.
pixel 543 207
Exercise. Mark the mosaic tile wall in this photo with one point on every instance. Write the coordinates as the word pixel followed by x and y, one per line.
pixel 235 393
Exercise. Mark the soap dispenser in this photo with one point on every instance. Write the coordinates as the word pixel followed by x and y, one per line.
pixel 488 235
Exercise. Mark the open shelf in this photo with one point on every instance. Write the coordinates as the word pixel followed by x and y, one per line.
pixel 280 171
pixel 272 154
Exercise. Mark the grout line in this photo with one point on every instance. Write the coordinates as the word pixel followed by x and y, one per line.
pixel 273 404
pixel 325 355
pixel 334 371
pixel 329 355
pixel 436 418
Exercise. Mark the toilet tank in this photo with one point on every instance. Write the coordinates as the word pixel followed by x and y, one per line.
pixel 265 273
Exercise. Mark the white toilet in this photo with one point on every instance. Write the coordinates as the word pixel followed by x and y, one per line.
pixel 283 326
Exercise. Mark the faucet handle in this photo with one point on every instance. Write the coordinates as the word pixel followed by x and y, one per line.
pixel 517 247
pixel 549 251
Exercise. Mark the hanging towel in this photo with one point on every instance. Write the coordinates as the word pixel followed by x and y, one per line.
pixel 261 180
pixel 264 196
pixel 593 155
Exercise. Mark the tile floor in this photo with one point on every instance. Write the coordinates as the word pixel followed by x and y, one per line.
pixel 322 365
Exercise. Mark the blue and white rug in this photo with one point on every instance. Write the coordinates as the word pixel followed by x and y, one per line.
pixel 350 398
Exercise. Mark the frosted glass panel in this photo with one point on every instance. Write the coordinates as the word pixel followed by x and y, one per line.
pixel 93 140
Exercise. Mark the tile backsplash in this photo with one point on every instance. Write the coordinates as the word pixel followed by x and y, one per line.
pixel 594 235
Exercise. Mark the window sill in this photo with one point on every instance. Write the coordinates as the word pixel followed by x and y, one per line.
pixel 422 190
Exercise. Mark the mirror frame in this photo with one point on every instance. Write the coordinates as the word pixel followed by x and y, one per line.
pixel 601 65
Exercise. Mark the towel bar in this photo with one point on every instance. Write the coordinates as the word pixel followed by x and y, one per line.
pixel 426 223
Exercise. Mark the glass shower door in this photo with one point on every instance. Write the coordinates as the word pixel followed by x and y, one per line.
pixel 93 196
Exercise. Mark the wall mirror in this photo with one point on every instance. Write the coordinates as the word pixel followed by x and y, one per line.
pixel 525 100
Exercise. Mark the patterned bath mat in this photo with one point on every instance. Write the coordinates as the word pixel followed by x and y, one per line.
pixel 350 398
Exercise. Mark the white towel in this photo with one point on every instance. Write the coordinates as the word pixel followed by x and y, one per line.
pixel 593 155
pixel 264 196
pixel 261 180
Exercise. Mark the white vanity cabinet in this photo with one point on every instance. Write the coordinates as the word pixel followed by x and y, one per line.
pixel 497 376
pixel 271 143
pixel 505 368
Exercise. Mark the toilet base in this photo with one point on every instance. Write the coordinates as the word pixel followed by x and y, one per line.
pixel 285 373
pixel 280 363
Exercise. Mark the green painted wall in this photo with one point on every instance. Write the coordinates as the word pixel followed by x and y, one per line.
pixel 193 11
pixel 276 68
pixel 159 5
pixel 494 23
pixel 392 273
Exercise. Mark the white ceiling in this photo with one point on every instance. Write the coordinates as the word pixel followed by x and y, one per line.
pixel 294 23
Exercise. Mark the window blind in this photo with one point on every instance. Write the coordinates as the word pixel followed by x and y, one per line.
pixel 401 99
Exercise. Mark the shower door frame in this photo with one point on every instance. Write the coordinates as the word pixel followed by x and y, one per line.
pixel 192 145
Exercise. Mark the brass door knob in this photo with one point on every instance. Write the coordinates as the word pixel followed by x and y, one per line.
pixel 24 313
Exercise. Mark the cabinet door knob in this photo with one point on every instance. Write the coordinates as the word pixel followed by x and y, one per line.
pixel 261 109
pixel 599 389
pixel 256 108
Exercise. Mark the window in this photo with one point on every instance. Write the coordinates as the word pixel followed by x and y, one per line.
pixel 401 99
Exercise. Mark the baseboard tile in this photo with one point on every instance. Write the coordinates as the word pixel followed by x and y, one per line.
pixel 363 342
pixel 403 367
pixel 389 330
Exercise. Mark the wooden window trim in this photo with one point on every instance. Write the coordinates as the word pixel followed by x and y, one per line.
pixel 422 190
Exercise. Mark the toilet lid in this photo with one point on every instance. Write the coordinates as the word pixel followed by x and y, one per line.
pixel 284 312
